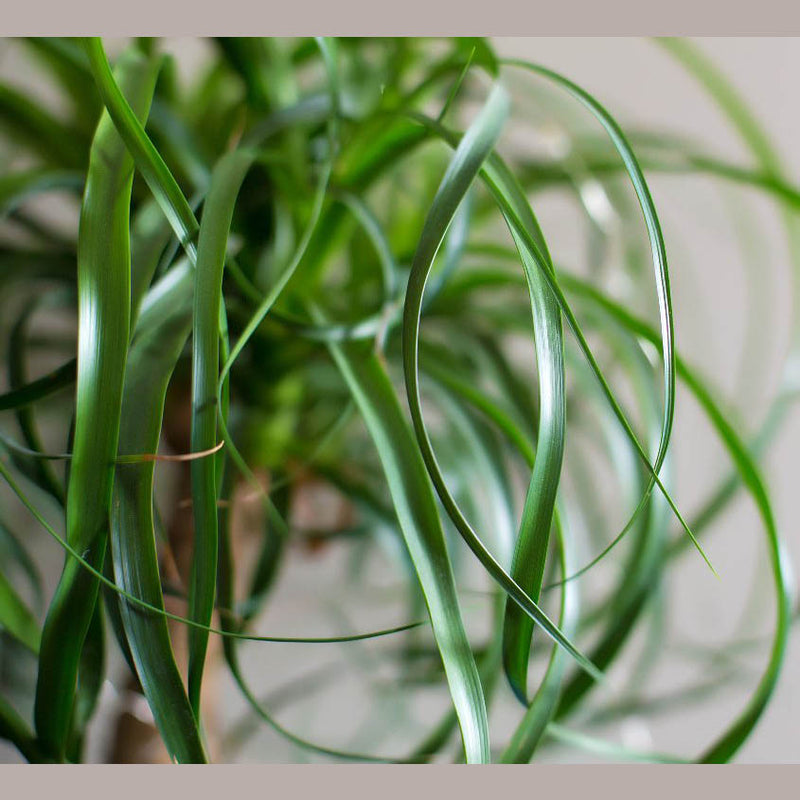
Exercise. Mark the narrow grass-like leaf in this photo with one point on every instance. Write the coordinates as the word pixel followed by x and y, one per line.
pixel 60 378
pixel 419 521
pixel 42 472
pixel 15 730
pixel 147 158
pixel 601 747
pixel 16 618
pixel 217 215
pixel 12 551
pixel 483 471
pixel 537 514
pixel 467 162
pixel 727 744
pixel 104 311
pixel 532 727
pixel 91 674
pixel 161 334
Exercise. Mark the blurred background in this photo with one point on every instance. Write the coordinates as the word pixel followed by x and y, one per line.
pixel 728 254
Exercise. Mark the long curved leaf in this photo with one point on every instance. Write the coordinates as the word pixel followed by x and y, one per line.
pixel 103 311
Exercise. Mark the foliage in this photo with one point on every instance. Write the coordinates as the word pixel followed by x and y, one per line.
pixel 305 244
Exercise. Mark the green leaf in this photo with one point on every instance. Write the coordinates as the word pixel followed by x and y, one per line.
pixel 217 215
pixel 161 333
pixel 54 381
pixel 419 521
pixel 103 314
pixel 14 729
pixel 147 158
pixel 16 618
pixel 536 720
pixel 731 740
pixel 36 129
pixel 467 161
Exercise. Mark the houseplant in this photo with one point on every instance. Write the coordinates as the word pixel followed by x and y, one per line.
pixel 271 270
